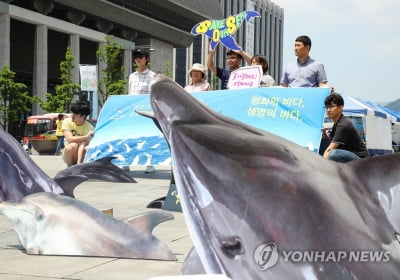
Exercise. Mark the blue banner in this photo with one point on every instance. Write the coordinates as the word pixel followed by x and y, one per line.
pixel 296 114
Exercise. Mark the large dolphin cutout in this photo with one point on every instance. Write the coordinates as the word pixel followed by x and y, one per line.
pixel 249 196
pixel 20 175
pixel 52 224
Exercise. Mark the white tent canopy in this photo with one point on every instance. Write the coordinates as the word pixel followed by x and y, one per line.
pixel 354 105
pixel 395 128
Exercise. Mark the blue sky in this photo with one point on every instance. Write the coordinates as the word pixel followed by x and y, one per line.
pixel 358 41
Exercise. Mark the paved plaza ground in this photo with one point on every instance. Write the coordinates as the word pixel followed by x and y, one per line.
pixel 126 200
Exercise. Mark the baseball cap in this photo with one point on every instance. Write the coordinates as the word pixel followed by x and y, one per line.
pixel 139 53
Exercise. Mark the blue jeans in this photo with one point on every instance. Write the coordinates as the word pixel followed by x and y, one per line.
pixel 60 144
pixel 342 155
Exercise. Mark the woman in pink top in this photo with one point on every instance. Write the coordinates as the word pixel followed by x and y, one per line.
pixel 198 73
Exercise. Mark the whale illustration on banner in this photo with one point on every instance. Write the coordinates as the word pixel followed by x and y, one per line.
pixel 51 224
pixel 222 30
pixel 21 176
pixel 258 206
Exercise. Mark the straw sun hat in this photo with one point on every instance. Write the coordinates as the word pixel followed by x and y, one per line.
pixel 198 67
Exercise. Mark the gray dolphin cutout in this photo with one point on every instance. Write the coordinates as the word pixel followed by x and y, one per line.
pixel 42 220
pixel 101 169
pixel 243 189
pixel 20 175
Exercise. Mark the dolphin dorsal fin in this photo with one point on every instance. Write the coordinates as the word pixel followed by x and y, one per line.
pixel 146 222
pixel 69 183
pixel 105 160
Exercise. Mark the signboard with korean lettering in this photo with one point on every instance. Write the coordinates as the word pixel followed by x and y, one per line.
pixel 296 114
pixel 245 77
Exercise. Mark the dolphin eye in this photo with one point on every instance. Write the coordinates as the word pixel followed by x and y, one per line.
pixel 232 247
pixel 39 216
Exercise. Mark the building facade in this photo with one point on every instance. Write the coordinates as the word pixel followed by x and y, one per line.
pixel 34 35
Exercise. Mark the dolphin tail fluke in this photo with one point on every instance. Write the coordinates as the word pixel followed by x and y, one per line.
pixel 69 183
pixel 146 222
pixel 251 14
pixel 229 41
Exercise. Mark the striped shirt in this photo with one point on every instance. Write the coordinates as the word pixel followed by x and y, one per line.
pixel 139 83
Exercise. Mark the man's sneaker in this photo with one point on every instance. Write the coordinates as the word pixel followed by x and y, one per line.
pixel 150 169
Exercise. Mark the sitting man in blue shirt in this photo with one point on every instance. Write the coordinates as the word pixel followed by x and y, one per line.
pixel 345 141
pixel 305 72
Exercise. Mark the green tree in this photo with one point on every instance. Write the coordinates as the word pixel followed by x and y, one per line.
pixel 167 70
pixel 112 82
pixel 214 81
pixel 15 100
pixel 60 101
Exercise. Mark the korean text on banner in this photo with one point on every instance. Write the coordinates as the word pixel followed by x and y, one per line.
pixel 296 114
